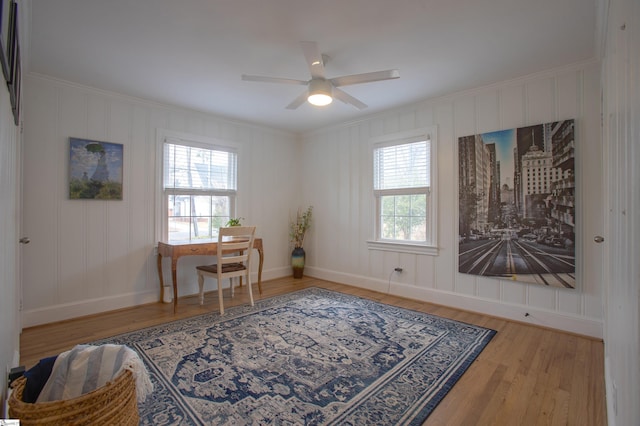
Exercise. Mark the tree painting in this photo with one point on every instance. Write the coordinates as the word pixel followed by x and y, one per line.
pixel 95 170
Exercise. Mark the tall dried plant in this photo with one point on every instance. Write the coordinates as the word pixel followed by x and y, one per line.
pixel 299 227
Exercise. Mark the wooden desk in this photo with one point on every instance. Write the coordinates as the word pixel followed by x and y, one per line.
pixel 176 250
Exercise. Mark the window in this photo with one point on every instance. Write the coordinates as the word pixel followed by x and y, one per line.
pixel 403 189
pixel 199 183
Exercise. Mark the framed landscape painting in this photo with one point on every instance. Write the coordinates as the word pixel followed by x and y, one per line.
pixel 95 170
pixel 516 199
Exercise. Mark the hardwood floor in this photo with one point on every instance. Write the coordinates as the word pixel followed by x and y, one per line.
pixel 526 375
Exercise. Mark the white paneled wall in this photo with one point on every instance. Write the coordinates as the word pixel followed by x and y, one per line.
pixel 337 181
pixel 9 234
pixel 621 122
pixel 88 256
pixel 98 255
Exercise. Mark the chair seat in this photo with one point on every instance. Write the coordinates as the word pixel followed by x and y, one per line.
pixel 229 267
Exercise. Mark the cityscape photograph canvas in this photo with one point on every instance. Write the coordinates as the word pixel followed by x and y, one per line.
pixel 517 204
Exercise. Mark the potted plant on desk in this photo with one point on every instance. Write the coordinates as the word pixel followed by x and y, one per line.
pixel 235 221
pixel 297 230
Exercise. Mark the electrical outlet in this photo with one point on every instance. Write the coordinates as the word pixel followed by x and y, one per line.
pixel 397 269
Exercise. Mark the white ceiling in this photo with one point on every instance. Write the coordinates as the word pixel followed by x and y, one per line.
pixel 191 53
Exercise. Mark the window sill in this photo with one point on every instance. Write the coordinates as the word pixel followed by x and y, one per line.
pixel 403 247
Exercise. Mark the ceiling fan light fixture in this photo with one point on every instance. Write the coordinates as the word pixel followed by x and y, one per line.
pixel 320 93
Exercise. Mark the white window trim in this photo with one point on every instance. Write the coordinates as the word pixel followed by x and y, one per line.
pixel 429 133
pixel 162 136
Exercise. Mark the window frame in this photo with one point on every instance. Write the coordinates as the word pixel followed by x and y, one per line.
pixel 430 247
pixel 162 204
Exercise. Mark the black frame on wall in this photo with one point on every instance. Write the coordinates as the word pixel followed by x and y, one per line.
pixel 10 54
pixel 6 15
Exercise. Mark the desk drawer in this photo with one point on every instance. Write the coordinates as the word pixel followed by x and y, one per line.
pixel 195 250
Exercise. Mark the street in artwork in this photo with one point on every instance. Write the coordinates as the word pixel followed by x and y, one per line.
pixel 517 204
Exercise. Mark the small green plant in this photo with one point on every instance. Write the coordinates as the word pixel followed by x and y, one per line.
pixel 298 227
pixel 235 221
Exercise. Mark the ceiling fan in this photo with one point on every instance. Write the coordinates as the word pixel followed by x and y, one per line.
pixel 322 90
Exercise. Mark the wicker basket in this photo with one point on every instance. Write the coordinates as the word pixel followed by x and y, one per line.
pixel 113 404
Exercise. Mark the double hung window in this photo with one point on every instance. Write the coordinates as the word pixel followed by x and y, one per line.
pixel 199 189
pixel 404 192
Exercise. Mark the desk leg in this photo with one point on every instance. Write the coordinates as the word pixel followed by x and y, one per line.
pixel 174 267
pixel 260 263
pixel 261 254
pixel 160 276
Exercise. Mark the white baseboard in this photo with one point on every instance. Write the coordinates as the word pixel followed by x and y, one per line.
pixel 560 321
pixel 544 318
pixel 82 308
pixel 272 274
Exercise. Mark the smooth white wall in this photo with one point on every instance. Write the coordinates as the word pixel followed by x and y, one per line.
pixel 337 182
pixel 88 256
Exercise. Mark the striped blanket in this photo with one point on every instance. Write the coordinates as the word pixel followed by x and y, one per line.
pixel 86 368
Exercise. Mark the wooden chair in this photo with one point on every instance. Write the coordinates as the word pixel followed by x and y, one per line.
pixel 235 245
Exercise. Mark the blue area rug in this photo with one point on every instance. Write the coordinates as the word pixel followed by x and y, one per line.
pixel 313 357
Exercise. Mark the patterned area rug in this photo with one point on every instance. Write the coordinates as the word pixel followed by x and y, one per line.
pixel 313 357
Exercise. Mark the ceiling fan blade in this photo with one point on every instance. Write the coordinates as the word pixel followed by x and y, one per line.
pixel 348 99
pixel 314 58
pixel 298 101
pixel 263 79
pixel 365 78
